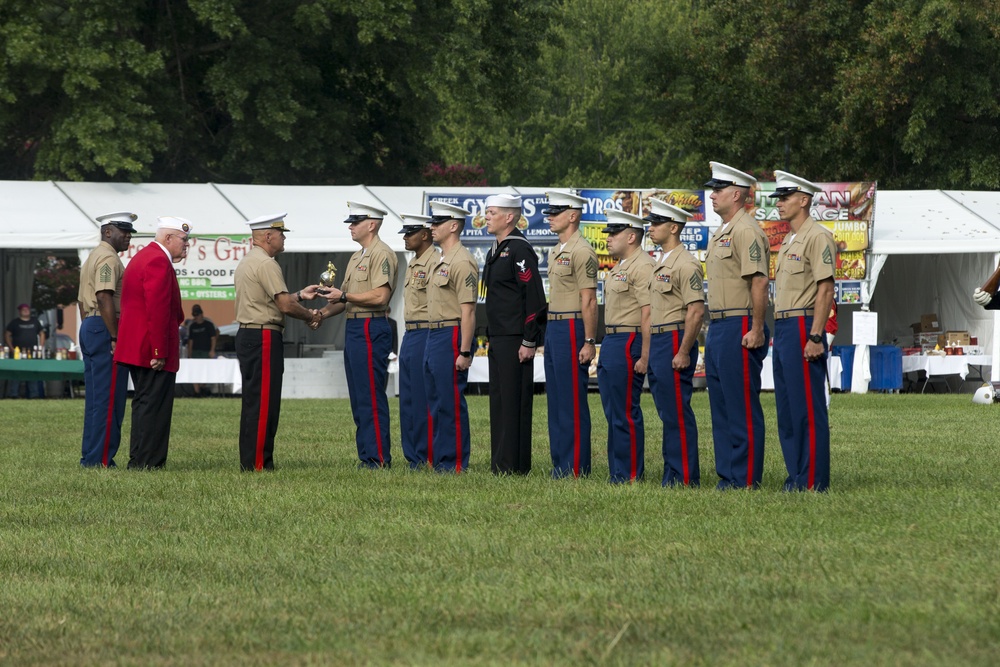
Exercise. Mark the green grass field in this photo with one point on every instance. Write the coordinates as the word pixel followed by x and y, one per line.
pixel 320 563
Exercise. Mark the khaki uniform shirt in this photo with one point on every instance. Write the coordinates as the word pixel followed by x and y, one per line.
pixel 368 269
pixel 257 281
pixel 733 256
pixel 803 261
pixel 572 268
pixel 454 281
pixel 102 271
pixel 677 281
pixel 418 276
pixel 626 290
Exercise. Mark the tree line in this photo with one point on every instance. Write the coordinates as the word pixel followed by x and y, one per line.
pixel 596 93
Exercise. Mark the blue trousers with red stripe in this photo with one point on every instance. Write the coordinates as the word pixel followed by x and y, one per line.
pixel 732 373
pixel 672 395
pixel 446 395
pixel 261 353
pixel 566 392
pixel 415 434
pixel 367 345
pixel 621 388
pixel 107 389
pixel 800 397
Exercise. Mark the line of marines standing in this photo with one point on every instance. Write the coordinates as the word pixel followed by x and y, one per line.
pixel 654 310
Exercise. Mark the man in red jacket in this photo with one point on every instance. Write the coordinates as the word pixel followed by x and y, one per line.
pixel 148 339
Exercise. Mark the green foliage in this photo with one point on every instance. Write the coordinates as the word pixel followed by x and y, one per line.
pixel 598 93
pixel 57 282
pixel 320 563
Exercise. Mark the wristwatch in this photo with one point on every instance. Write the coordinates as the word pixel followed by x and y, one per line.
pixel 590 341
pixel 343 297
pixel 465 353
pixel 816 338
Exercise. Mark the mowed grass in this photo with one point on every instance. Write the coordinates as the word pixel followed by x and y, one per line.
pixel 320 563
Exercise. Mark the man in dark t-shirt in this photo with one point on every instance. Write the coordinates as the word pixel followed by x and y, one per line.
pixel 202 335
pixel 25 332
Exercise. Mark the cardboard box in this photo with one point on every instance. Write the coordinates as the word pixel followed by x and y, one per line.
pixel 929 339
pixel 927 323
pixel 957 338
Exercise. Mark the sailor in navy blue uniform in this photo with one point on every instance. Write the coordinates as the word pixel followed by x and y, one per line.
pixel 803 294
pixel 516 316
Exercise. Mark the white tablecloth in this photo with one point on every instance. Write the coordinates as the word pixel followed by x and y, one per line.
pixel 480 369
pixel 944 365
pixel 209 371
pixel 833 367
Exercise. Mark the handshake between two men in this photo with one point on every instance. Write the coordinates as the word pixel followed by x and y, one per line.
pixel 336 300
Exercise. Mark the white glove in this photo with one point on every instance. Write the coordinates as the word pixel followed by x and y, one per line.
pixel 981 297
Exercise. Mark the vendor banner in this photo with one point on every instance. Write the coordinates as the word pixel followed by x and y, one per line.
pixel 208 270
pixel 846 209
pixel 478 241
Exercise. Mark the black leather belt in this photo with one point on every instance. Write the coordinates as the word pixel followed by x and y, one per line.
pixel 729 312
pixel 564 316
pixel 620 328
pixel 269 327
pixel 794 312
pixel 410 326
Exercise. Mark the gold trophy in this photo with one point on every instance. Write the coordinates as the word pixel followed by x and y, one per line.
pixel 327 278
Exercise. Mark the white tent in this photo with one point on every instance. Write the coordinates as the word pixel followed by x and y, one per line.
pixel 930 250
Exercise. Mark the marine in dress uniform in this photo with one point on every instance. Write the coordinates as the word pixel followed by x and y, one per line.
pixel 149 339
pixel 364 298
pixel 516 316
pixel 262 301
pixel 621 368
pixel 99 300
pixel 415 420
pixel 570 336
pixel 677 307
pixel 736 345
pixel 803 293
pixel 451 308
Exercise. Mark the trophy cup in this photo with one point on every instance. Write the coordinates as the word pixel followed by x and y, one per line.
pixel 327 277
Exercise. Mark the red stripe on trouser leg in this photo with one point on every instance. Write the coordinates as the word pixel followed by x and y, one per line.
pixel 265 397
pixel 111 413
pixel 430 438
pixel 680 413
pixel 574 370
pixel 630 374
pixel 811 416
pixel 747 402
pixel 457 396
pixel 371 385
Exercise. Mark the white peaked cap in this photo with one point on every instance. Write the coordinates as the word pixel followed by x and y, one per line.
pixel 504 201
pixel 789 183
pixel 724 176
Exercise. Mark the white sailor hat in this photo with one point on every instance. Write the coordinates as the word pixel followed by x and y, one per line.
pixel 504 201
pixel 620 220
pixel 269 221
pixel 561 201
pixel 359 212
pixel 442 211
pixel 723 176
pixel 172 222
pixel 414 223
pixel 661 211
pixel 790 183
pixel 122 220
